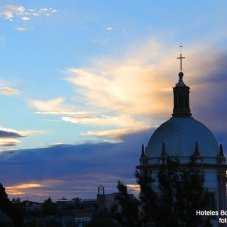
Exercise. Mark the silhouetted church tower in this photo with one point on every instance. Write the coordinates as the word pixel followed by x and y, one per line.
pixel 101 198
pixel 183 136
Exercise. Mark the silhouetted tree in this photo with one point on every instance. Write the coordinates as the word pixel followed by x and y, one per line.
pixel 191 195
pixel 12 210
pixel 103 219
pixel 78 203
pixel 128 207
pixel 180 193
pixel 170 183
pixel 52 222
pixel 6 222
pixel 148 197
pixel 5 204
pixel 49 207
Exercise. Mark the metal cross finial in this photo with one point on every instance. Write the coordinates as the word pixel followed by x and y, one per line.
pixel 180 58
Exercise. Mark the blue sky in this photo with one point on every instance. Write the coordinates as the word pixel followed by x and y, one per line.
pixel 86 78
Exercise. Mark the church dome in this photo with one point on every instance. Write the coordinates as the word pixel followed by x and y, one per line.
pixel 189 140
pixel 180 135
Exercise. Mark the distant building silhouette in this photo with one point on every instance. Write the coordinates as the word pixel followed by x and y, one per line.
pixel 106 202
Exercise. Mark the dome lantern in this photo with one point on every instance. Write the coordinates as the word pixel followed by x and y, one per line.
pixel 181 95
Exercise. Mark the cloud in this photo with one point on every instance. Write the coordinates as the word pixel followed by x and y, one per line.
pixel 134 187
pixel 12 133
pixel 57 106
pixel 116 133
pixel 25 18
pixel 12 12
pixel 9 137
pixel 125 123
pixel 52 106
pixel 5 90
pixel 9 133
pixel 137 86
pixel 31 132
pixel 8 142
pixel 28 187
pixel 21 188
pixel 116 120
pixel 208 89
pixel 109 29
pixel 23 29
pixel 134 91
pixel 71 170
pixel 25 186
pixel 130 94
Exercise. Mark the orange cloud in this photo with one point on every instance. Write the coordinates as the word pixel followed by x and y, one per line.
pixel 25 186
pixel 129 93
pixel 31 188
pixel 135 88
pixel 134 187
pixel 116 120
pixel 51 106
pixel 116 133
pixel 126 89
pixel 137 84
pixel 8 142
pixel 20 189
pixel 9 91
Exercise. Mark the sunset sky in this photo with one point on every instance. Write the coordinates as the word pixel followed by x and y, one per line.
pixel 84 83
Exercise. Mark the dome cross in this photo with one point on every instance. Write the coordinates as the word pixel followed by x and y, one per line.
pixel 181 58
